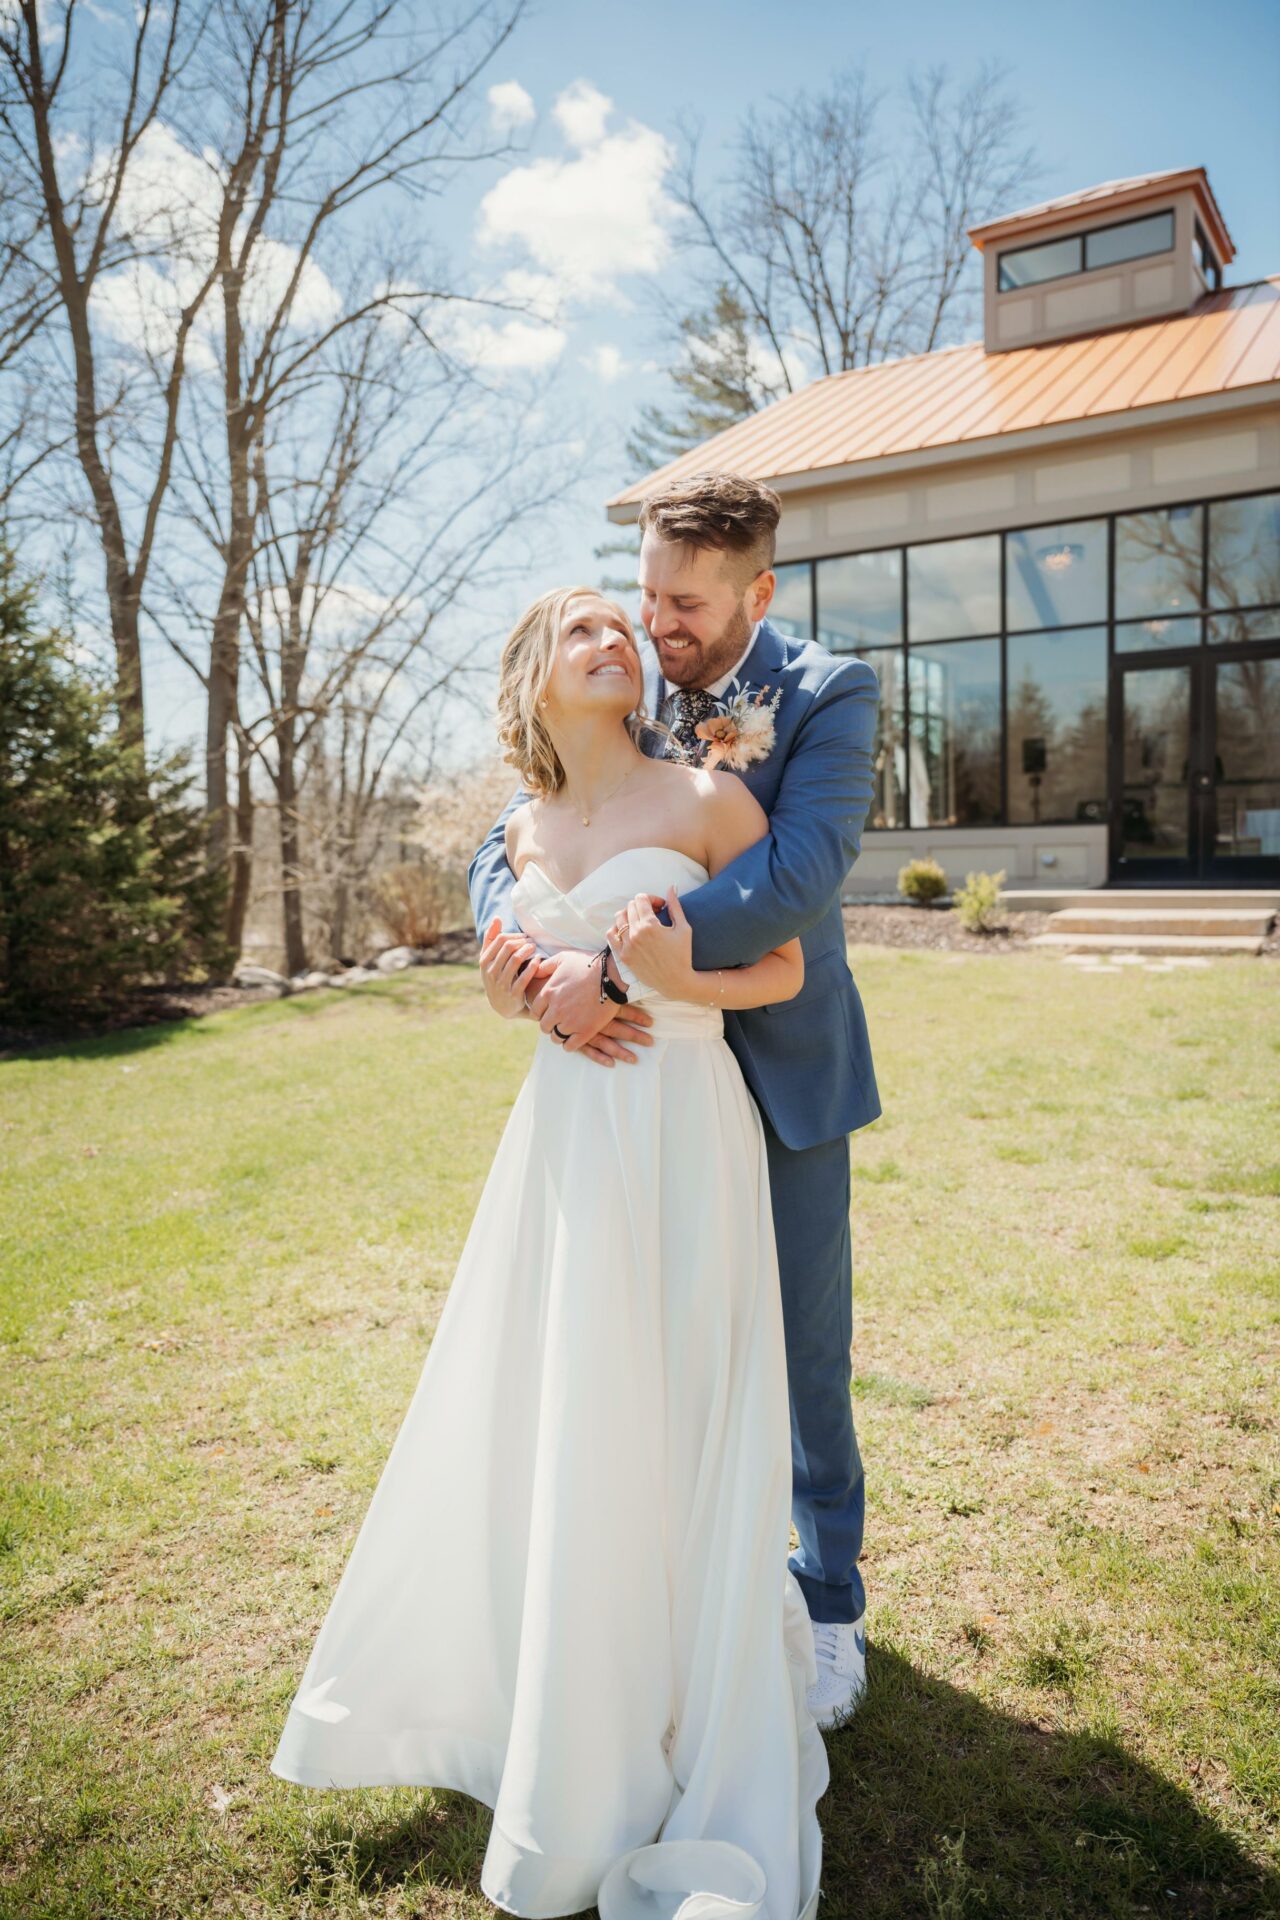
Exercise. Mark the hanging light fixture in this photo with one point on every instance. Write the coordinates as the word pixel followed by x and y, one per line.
pixel 1060 555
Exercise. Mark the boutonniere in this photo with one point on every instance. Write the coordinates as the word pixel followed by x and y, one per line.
pixel 743 733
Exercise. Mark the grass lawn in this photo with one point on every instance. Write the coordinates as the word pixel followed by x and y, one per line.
pixel 225 1245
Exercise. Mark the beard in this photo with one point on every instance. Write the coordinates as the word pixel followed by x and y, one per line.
pixel 705 661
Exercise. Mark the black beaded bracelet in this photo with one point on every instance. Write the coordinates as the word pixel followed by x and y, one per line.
pixel 607 989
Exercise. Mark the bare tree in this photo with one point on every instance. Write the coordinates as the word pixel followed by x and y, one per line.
pixel 379 497
pixel 228 205
pixel 822 250
pixel 327 106
pixel 66 237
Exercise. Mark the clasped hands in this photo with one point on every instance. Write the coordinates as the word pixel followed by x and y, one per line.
pixel 562 991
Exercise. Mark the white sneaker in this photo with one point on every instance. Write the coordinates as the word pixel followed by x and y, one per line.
pixel 840 1649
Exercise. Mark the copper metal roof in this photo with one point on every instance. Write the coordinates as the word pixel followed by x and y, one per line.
pixel 1114 193
pixel 1228 341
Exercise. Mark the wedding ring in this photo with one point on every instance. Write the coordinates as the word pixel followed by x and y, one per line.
pixel 562 1036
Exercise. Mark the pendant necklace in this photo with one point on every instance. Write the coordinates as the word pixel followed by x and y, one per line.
pixel 586 817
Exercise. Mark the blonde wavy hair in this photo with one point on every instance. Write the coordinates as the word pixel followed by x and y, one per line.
pixel 528 655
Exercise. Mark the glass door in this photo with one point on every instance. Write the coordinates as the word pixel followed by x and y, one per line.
pixel 1156 821
pixel 1195 770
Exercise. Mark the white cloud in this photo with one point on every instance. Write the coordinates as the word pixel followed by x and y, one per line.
pixel 606 361
pixel 502 346
pixel 582 114
pixel 595 217
pixel 170 203
pixel 510 107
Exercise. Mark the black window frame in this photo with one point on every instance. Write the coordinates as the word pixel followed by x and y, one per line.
pixel 1209 264
pixel 1202 648
pixel 1083 236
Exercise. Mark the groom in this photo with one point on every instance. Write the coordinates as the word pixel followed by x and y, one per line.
pixel 706 580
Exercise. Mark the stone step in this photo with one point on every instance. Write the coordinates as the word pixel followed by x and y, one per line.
pixel 1191 920
pixel 1221 943
pixel 1058 899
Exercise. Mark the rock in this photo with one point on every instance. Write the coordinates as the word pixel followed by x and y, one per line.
pixel 251 976
pixel 395 959
pixel 354 977
pixel 302 981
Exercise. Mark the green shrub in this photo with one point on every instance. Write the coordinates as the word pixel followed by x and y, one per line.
pixel 978 900
pixel 103 886
pixel 922 880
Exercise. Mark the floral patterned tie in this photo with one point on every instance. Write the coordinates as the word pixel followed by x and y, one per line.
pixel 686 707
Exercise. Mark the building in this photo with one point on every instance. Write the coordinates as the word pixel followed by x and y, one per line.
pixel 1059 547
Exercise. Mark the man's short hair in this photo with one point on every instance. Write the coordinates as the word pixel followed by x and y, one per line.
pixel 721 510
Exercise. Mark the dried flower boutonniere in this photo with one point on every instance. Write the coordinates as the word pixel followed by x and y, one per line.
pixel 742 733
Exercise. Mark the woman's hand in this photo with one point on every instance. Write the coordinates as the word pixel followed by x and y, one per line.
pixel 662 957
pixel 508 965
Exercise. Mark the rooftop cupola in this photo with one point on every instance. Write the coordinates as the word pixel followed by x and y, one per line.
pixel 1127 251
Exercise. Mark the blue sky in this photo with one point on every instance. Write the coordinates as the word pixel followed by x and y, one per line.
pixel 1106 89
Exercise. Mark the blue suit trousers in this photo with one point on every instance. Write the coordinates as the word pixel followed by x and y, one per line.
pixel 810 1188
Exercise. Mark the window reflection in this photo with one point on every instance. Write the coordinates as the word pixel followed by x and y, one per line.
pixel 953 588
pixel 1158 560
pixel 1151 636
pixel 1244 552
pixel 1248 758
pixel 1056 576
pixel 791 609
pixel 1156 723
pixel 1128 240
pixel 860 601
pixel 889 762
pixel 1057 726
pixel 954 698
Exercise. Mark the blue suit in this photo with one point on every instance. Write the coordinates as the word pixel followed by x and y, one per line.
pixel 807 1061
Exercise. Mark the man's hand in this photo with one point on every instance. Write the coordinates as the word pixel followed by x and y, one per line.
pixel 661 957
pixel 569 998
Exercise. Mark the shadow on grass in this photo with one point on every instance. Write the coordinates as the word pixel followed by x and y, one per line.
pixel 942 1806
pixel 939 1808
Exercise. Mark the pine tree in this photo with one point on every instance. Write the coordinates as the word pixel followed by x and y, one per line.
pixel 102 881
pixel 718 382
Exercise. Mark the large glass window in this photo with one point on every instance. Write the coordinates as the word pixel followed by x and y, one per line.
pixel 1056 576
pixel 1244 552
pixel 1048 260
pixel 953 588
pixel 1248 747
pixel 950 734
pixel 791 609
pixel 1057 725
pixel 954 703
pixel 1128 240
pixel 888 807
pixel 1158 560
pixel 860 601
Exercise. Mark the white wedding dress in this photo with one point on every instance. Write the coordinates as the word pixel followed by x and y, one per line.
pixel 569 1595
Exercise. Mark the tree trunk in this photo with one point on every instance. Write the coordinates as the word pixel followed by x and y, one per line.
pixel 241 851
pixel 295 952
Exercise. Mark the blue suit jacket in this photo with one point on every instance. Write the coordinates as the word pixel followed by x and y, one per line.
pixel 807 1061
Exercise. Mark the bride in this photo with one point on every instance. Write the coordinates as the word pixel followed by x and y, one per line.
pixel 569 1596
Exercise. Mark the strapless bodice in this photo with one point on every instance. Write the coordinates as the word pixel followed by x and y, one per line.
pixel 583 916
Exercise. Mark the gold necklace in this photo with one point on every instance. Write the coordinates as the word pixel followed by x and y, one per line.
pixel 586 817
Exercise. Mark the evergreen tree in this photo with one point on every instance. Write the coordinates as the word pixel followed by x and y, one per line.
pixel 103 885
pixel 717 379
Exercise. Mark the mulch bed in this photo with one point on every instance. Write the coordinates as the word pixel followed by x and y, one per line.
pixel 938 928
